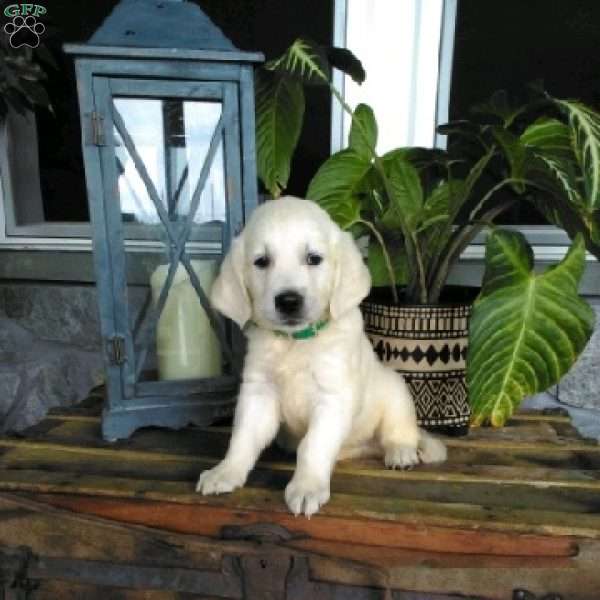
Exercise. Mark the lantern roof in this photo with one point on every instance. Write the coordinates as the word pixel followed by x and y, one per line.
pixel 161 29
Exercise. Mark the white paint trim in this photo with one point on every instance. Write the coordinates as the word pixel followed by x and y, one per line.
pixel 340 8
pixel 551 254
pixel 446 58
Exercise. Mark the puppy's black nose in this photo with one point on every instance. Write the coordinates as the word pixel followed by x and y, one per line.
pixel 289 302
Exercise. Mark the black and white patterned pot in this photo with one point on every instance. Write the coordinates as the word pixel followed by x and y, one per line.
pixel 428 345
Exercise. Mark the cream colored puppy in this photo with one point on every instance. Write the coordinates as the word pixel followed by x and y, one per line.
pixel 295 280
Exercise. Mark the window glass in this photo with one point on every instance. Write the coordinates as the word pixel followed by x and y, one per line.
pixel 172 139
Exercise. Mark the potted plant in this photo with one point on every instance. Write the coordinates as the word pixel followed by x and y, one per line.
pixel 420 208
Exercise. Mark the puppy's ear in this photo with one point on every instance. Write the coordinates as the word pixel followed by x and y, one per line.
pixel 229 294
pixel 352 279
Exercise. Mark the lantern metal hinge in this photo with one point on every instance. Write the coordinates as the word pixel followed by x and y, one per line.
pixel 97 129
pixel 116 350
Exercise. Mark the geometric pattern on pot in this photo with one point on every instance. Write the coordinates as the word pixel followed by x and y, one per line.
pixel 440 398
pixel 418 322
pixel 408 355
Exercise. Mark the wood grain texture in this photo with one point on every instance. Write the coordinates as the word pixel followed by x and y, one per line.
pixel 200 520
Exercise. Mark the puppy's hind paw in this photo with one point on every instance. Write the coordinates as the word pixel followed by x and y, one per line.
pixel 401 457
pixel 221 479
pixel 305 495
pixel 431 450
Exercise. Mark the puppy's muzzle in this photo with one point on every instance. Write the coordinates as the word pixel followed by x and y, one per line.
pixel 289 303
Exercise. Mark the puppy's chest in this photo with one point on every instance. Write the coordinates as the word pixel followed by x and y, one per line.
pixel 297 388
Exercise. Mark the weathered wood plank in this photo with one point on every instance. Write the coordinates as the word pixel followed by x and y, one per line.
pixel 575 491
pixel 397 510
pixel 580 583
pixel 522 431
pixel 213 442
pixel 382 557
pixel 56 457
pixel 560 416
pixel 57 533
pixel 204 521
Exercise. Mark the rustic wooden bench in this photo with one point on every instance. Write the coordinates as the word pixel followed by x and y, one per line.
pixel 513 509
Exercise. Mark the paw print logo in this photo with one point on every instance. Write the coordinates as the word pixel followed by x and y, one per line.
pixel 24 31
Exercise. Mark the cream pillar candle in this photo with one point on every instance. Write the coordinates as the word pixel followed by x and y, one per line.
pixel 186 345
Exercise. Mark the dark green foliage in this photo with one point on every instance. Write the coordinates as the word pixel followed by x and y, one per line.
pixel 21 79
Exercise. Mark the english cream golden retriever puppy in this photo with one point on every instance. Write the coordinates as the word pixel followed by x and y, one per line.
pixel 295 280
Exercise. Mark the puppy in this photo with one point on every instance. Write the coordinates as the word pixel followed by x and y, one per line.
pixel 295 280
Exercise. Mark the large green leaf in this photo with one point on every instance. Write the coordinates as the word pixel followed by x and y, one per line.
pixel 516 155
pixel 526 329
pixel 550 135
pixel 436 209
pixel 345 61
pixel 500 107
pixel 336 184
pixel 550 141
pixel 363 131
pixel 585 126
pixel 380 276
pixel 474 175
pixel 279 115
pixel 303 59
pixel 436 221
pixel 406 202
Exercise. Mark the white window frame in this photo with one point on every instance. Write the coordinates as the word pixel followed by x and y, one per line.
pixel 549 243
pixel 37 235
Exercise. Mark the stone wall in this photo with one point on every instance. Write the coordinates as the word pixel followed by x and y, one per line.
pixel 56 312
pixel 37 374
pixel 50 348
pixel 581 386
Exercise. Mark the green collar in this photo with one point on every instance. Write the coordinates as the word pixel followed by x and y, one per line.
pixel 303 334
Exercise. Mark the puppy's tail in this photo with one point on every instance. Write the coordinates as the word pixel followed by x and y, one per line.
pixel 431 450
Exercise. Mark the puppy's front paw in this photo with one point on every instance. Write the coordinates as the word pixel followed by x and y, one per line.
pixel 401 457
pixel 305 495
pixel 220 479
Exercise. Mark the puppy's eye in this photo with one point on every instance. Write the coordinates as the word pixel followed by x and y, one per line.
pixel 314 259
pixel 262 262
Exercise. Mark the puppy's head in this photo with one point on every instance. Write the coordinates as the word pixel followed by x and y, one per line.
pixel 290 267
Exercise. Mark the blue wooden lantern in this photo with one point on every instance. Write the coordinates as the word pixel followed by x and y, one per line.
pixel 167 119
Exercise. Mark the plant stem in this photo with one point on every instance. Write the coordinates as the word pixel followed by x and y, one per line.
pixel 410 244
pixel 465 235
pixel 386 257
pixel 422 288
pixel 492 191
pixel 458 243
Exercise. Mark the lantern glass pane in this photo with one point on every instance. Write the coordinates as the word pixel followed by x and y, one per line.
pixel 173 138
